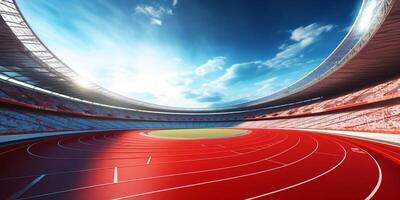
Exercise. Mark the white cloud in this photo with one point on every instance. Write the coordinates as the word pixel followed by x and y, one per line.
pixel 302 37
pixel 216 63
pixel 185 93
pixel 155 14
pixel 126 66
pixel 289 55
pixel 155 21
pixel 240 72
pixel 266 87
pixel 134 67
pixel 174 2
pixel 212 91
pixel 309 32
pixel 152 11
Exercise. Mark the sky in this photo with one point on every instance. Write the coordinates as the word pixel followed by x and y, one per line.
pixel 191 53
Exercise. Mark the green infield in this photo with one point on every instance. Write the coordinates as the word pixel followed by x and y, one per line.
pixel 197 133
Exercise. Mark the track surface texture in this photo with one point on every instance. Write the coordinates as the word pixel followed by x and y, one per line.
pixel 263 164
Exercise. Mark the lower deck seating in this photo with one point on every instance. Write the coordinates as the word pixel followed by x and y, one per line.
pixel 384 118
pixel 16 120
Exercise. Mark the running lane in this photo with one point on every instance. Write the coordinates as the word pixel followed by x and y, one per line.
pixel 264 164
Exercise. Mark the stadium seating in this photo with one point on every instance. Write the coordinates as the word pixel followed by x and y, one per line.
pixel 381 92
pixel 20 120
pixel 378 119
pixel 35 111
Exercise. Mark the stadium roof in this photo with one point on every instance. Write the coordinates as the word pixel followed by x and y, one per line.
pixel 368 54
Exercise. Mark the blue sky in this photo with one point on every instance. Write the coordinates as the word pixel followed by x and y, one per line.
pixel 191 53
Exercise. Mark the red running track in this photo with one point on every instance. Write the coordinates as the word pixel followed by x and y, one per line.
pixel 265 164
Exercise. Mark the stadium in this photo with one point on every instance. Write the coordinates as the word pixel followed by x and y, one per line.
pixel 332 134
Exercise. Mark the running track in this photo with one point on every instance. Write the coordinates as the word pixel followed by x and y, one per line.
pixel 265 164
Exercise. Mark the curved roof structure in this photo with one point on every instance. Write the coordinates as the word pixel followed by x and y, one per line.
pixel 362 58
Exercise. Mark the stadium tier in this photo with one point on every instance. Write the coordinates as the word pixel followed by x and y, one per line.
pixel 17 120
pixel 349 112
pixel 377 118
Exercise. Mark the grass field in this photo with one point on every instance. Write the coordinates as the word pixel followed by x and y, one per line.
pixel 197 133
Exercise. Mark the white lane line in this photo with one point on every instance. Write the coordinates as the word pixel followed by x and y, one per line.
pixel 29 151
pixel 115 175
pixel 181 174
pixel 378 183
pixel 92 169
pixel 10 150
pixel 26 188
pixel 236 152
pixel 223 179
pixel 306 181
pixel 148 160
pixel 281 163
pixel 358 150
pixel 329 154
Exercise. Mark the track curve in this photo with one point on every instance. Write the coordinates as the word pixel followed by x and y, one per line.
pixel 266 164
